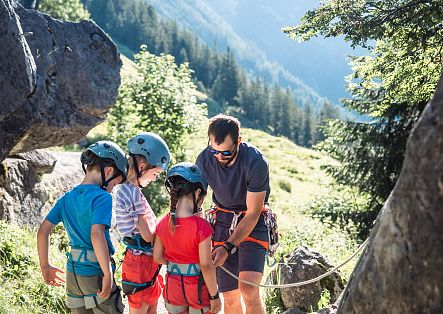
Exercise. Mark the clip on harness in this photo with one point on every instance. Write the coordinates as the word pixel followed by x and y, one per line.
pixel 87 257
pixel 270 220
pixel 136 242
pixel 185 270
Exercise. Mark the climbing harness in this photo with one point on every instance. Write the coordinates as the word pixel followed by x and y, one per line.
pixel 184 270
pixel 302 283
pixel 270 220
pixel 83 256
pixel 138 243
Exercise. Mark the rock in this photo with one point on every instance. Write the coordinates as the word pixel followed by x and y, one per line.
pixel 304 264
pixel 294 311
pixel 42 161
pixel 26 196
pixel 77 81
pixel 401 269
pixel 18 73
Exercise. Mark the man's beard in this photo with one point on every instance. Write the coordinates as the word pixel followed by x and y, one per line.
pixel 226 161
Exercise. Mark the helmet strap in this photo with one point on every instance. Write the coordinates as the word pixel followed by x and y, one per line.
pixel 105 182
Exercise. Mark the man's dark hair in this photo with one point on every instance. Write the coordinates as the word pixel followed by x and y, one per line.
pixel 221 126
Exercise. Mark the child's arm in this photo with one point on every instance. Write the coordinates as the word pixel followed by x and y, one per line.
pixel 159 252
pixel 102 252
pixel 49 272
pixel 146 227
pixel 208 270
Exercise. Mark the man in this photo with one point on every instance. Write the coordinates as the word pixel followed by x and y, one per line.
pixel 239 177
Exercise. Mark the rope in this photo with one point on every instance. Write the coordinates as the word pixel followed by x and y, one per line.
pixel 302 283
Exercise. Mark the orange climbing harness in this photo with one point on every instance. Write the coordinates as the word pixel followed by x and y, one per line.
pixel 270 220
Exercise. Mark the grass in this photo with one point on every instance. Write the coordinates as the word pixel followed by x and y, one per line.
pixel 23 289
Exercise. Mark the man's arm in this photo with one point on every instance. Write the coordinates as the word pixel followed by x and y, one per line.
pixel 102 252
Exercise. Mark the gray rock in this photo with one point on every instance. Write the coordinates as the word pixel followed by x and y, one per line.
pixel 78 76
pixel 402 268
pixel 304 264
pixel 17 67
pixel 42 161
pixel 26 196
pixel 294 311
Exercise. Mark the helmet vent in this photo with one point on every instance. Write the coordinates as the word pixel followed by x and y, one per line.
pixel 193 169
pixel 164 160
pixel 140 141
pixel 106 145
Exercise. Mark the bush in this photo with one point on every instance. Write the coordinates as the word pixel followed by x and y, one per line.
pixel 343 208
pixel 162 100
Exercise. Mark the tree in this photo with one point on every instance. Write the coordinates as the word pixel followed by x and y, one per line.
pixel 391 85
pixel 68 10
pixel 162 101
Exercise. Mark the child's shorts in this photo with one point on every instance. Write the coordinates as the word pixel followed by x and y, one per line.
pixel 82 295
pixel 141 269
pixel 182 293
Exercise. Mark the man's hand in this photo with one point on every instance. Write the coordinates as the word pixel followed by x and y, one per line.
pixel 106 287
pixel 51 277
pixel 215 306
pixel 219 256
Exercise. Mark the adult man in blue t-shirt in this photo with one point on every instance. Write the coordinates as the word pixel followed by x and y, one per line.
pixel 239 177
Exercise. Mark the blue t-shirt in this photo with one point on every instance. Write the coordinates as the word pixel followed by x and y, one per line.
pixel 78 209
pixel 249 172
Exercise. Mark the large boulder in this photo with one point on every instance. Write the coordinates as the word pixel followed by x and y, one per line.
pixel 76 82
pixel 30 184
pixel 402 268
pixel 304 264
pixel 17 66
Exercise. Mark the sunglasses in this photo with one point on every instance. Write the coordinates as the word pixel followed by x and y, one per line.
pixel 225 153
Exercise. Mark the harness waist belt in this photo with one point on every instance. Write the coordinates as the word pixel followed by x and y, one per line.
pixel 183 269
pixel 137 241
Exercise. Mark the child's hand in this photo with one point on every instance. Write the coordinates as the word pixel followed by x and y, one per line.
pixel 215 306
pixel 106 287
pixel 51 277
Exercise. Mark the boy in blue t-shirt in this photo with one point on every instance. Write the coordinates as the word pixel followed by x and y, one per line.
pixel 86 213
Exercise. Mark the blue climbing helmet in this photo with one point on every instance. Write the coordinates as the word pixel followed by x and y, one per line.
pixel 192 176
pixel 152 147
pixel 188 171
pixel 108 153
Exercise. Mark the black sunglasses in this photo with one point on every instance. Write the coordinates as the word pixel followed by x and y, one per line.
pixel 225 153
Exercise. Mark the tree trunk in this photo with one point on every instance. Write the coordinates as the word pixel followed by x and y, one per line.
pixel 402 268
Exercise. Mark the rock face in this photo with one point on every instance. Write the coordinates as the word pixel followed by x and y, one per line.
pixel 402 268
pixel 17 67
pixel 69 89
pixel 31 183
pixel 304 264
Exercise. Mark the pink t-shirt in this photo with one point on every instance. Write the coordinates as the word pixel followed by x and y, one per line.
pixel 182 246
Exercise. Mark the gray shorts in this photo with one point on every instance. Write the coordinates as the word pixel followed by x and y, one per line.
pixel 89 285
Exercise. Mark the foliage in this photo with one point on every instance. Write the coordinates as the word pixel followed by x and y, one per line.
pixel 23 290
pixel 345 208
pixel 67 10
pixel 392 85
pixel 162 101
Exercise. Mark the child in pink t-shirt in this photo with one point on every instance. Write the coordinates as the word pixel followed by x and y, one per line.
pixel 183 243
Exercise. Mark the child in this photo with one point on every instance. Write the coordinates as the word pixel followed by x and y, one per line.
pixel 148 157
pixel 183 243
pixel 86 213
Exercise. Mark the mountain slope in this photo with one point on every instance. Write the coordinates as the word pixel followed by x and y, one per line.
pixel 253 29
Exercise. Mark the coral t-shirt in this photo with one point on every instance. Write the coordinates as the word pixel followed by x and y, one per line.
pixel 182 246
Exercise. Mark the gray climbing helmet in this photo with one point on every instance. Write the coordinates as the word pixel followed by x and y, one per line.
pixel 188 171
pixel 106 150
pixel 152 147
